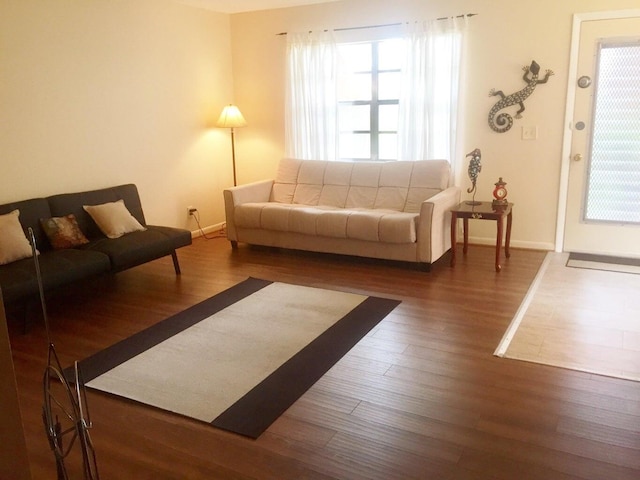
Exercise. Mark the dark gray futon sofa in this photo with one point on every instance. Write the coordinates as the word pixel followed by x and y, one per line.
pixel 60 267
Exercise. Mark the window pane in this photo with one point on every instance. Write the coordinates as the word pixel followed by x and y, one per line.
pixel 355 57
pixel 388 146
pixel 614 170
pixel 355 86
pixel 354 117
pixel 355 145
pixel 388 118
pixel 389 54
pixel 389 85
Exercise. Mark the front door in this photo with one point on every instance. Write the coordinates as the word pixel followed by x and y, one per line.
pixel 603 197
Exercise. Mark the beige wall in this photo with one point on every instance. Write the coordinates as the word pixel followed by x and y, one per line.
pixel 99 92
pixel 505 36
pixel 95 93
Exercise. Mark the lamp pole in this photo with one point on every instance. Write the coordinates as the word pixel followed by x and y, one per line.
pixel 233 157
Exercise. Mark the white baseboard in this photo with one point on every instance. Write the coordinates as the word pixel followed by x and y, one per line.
pixel 514 243
pixel 218 227
pixel 472 240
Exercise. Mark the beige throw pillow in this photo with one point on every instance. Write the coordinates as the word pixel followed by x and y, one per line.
pixel 13 242
pixel 113 219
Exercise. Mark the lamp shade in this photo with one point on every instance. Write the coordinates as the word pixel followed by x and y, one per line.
pixel 231 118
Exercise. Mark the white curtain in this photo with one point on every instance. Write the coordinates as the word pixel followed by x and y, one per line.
pixel 311 109
pixel 429 95
pixel 427 127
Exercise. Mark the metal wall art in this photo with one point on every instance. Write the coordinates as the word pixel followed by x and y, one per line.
pixel 503 122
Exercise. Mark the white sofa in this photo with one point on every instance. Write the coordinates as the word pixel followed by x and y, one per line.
pixel 388 210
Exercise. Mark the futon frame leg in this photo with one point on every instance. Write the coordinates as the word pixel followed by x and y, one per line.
pixel 176 265
pixel 234 244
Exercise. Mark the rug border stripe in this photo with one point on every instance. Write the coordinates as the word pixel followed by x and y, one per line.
pixel 120 352
pixel 251 415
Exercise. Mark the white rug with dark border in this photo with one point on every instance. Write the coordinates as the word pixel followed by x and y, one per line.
pixel 239 359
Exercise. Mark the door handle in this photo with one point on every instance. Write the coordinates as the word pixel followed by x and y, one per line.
pixel 577 157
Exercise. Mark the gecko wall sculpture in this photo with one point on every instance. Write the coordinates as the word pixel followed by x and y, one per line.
pixel 503 122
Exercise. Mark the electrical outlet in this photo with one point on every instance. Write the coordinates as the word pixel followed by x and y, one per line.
pixel 191 210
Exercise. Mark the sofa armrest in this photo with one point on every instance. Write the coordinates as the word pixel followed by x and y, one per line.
pixel 249 193
pixel 434 234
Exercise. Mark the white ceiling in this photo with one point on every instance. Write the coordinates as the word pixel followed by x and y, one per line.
pixel 237 6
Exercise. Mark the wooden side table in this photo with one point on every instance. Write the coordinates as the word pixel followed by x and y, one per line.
pixel 483 211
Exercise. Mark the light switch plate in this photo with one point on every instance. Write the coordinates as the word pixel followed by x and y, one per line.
pixel 530 133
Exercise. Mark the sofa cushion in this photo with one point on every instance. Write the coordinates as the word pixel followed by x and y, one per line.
pixel 382 226
pixel 13 242
pixel 333 223
pixel 113 218
pixel 396 174
pixel 133 249
pixel 58 267
pixel 63 232
pixel 275 216
pixel 429 178
pixel 338 173
pixel 311 172
pixel 334 195
pixel 398 227
pixel 366 174
pixel 391 198
pixel 361 197
pixel 401 185
pixel 286 180
pixel 361 224
pixel 307 194
pixel 179 237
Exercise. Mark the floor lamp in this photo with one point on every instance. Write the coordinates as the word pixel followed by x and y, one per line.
pixel 231 118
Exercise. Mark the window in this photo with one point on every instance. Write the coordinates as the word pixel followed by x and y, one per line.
pixel 389 96
pixel 614 171
pixel 369 78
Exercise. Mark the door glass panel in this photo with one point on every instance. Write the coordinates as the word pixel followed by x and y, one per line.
pixel 613 193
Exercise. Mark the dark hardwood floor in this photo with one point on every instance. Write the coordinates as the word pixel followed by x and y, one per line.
pixel 421 397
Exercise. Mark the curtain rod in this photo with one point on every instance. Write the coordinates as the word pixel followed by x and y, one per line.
pixel 386 24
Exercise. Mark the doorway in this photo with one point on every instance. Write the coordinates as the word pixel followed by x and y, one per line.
pixel 581 226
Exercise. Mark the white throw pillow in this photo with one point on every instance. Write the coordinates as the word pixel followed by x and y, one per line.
pixel 13 242
pixel 113 219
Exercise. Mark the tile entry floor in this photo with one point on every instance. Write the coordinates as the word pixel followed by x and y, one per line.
pixel 587 320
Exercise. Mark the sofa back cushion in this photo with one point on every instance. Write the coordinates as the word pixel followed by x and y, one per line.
pixel 428 178
pixel 286 180
pixel 66 203
pixel 400 186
